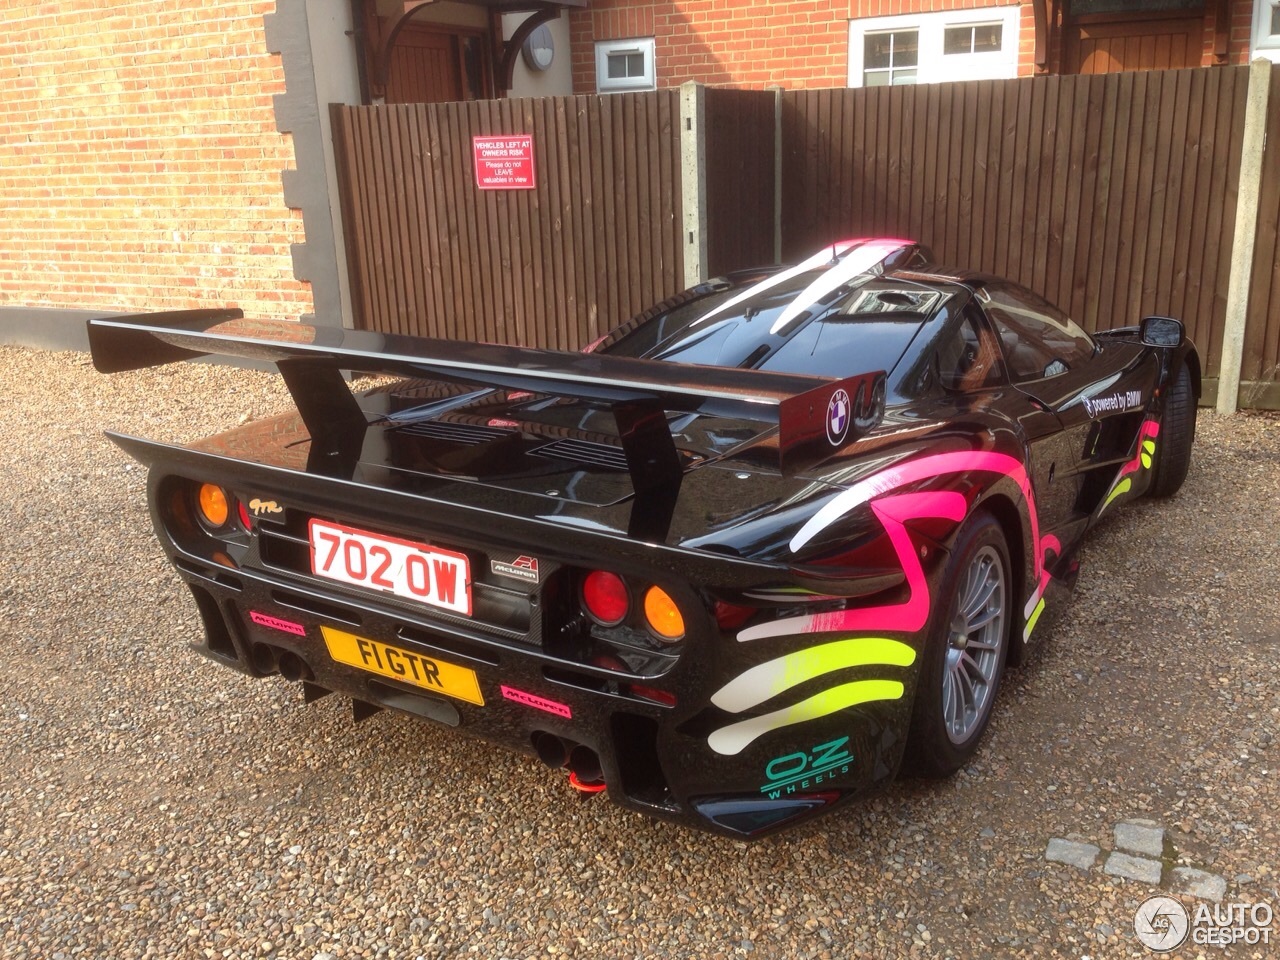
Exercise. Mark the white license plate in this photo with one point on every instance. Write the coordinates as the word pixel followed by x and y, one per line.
pixel 415 571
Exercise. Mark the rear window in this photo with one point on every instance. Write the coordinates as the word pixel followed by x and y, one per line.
pixel 862 326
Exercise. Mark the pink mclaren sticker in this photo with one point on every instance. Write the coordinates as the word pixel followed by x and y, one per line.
pixel 538 703
pixel 275 623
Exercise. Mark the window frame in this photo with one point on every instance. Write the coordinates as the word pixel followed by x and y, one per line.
pixel 933 66
pixel 1263 43
pixel 641 45
pixel 1043 311
pixel 972 315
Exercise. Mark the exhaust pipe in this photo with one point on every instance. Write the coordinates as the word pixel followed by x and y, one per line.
pixel 264 658
pixel 551 750
pixel 585 764
pixel 293 667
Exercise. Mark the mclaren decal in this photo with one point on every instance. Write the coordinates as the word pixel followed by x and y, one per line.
pixel 521 568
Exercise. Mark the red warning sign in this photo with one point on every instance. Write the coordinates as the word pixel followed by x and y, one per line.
pixel 504 163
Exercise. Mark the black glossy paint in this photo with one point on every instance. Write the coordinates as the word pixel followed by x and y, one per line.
pixel 666 474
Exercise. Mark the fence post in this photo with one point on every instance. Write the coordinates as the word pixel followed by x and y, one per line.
pixel 777 173
pixel 1255 133
pixel 693 180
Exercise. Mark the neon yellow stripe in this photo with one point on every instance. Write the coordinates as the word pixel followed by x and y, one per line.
pixel 766 680
pixel 735 738
pixel 1031 623
pixel 1146 461
pixel 1149 446
pixel 1122 487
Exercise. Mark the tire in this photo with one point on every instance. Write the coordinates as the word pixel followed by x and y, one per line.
pixel 1177 432
pixel 946 731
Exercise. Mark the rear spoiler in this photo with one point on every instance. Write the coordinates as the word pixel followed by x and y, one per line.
pixel 816 418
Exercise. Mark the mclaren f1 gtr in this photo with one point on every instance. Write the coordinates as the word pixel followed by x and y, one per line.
pixel 735 564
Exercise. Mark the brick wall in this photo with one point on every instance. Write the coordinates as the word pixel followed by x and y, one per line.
pixel 796 45
pixel 726 42
pixel 139 160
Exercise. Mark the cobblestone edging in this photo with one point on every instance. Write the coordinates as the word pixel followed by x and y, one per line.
pixel 1141 851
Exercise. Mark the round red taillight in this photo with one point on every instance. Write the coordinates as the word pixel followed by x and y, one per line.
pixel 605 597
pixel 244 515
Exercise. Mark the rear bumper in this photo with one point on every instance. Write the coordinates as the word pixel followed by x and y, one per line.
pixel 654 758
pixel 265 614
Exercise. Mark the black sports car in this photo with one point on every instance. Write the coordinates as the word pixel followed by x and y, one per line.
pixel 733 563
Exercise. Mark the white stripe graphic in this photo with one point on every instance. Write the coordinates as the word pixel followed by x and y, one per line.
pixel 857 262
pixel 825 255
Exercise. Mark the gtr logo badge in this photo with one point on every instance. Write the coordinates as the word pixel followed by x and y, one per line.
pixel 838 417
pixel 805 770
pixel 260 507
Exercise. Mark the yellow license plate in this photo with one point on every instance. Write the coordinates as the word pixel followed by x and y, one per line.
pixel 403 665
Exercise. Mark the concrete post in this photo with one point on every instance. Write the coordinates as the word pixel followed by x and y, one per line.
pixel 1255 132
pixel 693 181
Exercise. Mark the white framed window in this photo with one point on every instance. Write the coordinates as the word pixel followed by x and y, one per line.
pixel 977 44
pixel 1266 30
pixel 625 65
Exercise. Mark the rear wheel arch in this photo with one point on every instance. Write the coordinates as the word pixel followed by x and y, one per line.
pixel 1018 542
pixel 965 650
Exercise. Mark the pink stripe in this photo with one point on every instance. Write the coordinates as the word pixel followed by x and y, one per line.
pixel 923 469
pixel 910 615
pixel 893 513
pixel 1150 428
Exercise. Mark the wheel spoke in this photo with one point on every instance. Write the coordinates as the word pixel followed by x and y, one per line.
pixel 980 620
pixel 975 638
pixel 949 700
pixel 975 672
pixel 970 695
pixel 982 596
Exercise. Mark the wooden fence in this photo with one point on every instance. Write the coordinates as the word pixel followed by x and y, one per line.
pixel 430 254
pixel 740 135
pixel 1112 196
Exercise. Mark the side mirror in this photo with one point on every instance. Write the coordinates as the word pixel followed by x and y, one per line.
pixel 1161 332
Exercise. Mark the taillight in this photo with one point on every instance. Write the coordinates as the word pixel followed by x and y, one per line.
pixel 663 616
pixel 213 503
pixel 605 597
pixel 244 514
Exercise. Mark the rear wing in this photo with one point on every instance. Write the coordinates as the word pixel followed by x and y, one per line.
pixel 816 417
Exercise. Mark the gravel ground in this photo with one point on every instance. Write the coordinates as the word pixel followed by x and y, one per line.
pixel 154 805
